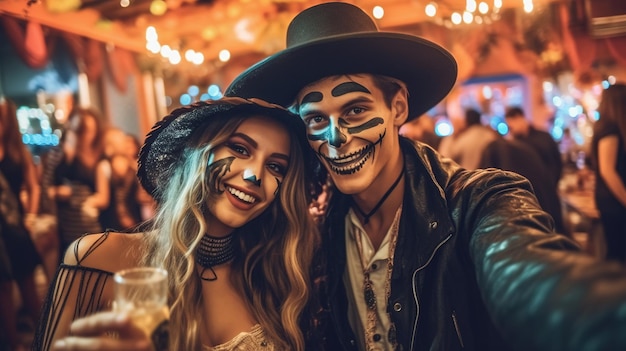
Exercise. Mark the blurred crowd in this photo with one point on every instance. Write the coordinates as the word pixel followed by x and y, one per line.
pixel 555 168
pixel 86 184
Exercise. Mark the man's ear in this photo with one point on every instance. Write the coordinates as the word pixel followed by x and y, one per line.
pixel 400 108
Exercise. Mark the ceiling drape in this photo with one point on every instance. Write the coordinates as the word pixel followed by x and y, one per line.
pixel 34 45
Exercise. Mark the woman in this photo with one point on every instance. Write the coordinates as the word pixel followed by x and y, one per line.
pixel 609 156
pixel 124 211
pixel 18 255
pixel 81 180
pixel 232 229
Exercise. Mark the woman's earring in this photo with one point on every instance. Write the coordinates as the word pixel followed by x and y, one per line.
pixel 249 176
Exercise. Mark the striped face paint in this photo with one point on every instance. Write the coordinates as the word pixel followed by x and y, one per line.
pixel 216 171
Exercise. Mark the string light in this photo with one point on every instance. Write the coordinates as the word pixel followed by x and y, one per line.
pixel 158 7
pixel 483 8
pixel 456 18
pixel 224 55
pixel 193 90
pixel 151 34
pixel 198 58
pixel 431 9
pixel 189 54
pixel 475 12
pixel 528 6
pixel 470 5
pixel 175 57
pixel 166 51
pixel 378 12
pixel 153 46
pixel 468 17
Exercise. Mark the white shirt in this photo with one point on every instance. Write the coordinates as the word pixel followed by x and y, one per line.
pixel 353 277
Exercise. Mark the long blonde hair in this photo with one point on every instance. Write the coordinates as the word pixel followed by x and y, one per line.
pixel 277 248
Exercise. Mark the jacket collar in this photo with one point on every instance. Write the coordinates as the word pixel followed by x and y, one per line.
pixel 425 222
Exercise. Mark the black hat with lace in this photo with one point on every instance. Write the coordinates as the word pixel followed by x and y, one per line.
pixel 164 144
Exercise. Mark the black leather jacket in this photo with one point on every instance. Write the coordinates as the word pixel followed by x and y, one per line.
pixel 477 263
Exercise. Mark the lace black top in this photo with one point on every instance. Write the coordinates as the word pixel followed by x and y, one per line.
pixel 74 287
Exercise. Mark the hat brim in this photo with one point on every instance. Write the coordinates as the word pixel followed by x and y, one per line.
pixel 428 70
pixel 164 144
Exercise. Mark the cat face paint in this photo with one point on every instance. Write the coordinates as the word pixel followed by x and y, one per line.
pixel 349 126
pixel 260 146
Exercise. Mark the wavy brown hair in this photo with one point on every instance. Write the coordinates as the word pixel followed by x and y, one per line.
pixel 10 135
pixel 272 271
pixel 612 107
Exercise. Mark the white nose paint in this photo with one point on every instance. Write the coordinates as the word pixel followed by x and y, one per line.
pixel 247 173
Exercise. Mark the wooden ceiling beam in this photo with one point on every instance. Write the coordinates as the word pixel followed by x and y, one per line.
pixel 83 22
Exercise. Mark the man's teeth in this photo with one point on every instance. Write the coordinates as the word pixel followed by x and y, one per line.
pixel 350 169
pixel 242 196
pixel 346 165
pixel 348 159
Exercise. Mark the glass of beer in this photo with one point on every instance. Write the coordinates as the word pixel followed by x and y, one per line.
pixel 141 293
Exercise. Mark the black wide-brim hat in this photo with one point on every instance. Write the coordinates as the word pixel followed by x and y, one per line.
pixel 164 144
pixel 338 38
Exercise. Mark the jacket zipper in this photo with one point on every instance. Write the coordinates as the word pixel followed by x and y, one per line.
pixel 417 308
pixel 456 327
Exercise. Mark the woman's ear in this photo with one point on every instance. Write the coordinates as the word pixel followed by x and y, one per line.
pixel 400 108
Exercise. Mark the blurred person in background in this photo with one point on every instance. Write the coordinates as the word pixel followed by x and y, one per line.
pixel 542 142
pixel 421 129
pixel 609 161
pixel 82 178
pixel 18 256
pixel 471 141
pixel 146 202
pixel 549 153
pixel 124 210
pixel 457 124
pixel 517 156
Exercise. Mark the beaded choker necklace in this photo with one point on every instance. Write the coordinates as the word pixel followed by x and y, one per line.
pixel 214 251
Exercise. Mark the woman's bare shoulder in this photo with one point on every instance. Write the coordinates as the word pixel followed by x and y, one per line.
pixel 108 251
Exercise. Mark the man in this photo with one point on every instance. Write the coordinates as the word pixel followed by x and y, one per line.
pixel 547 149
pixel 517 156
pixel 421 254
pixel 467 147
pixel 521 129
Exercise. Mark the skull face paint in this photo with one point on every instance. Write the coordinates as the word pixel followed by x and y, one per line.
pixel 354 161
pixel 349 126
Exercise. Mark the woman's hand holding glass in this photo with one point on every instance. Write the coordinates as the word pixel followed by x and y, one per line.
pixel 139 320
pixel 94 333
